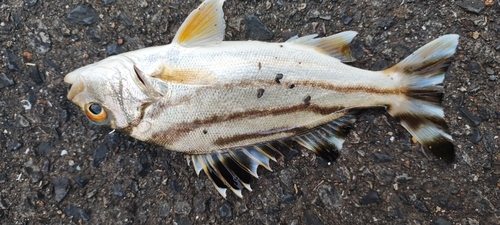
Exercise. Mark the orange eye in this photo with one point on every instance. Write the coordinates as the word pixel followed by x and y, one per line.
pixel 96 113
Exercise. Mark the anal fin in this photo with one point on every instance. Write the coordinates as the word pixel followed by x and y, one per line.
pixel 234 168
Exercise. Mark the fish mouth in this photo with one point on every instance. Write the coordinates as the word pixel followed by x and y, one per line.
pixel 70 78
pixel 77 85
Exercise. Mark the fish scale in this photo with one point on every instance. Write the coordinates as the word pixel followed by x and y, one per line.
pixel 232 106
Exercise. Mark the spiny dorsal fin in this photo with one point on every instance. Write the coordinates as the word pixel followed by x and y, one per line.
pixel 234 169
pixel 336 45
pixel 203 26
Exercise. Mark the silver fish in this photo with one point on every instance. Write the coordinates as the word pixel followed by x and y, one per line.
pixel 231 106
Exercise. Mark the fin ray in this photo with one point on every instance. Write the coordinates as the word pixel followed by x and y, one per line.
pixel 336 45
pixel 420 113
pixel 203 26
pixel 326 140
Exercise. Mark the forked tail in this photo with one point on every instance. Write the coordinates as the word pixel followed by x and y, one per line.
pixel 421 112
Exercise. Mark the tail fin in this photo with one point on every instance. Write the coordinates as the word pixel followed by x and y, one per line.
pixel 421 112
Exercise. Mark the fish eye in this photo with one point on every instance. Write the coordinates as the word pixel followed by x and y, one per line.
pixel 96 113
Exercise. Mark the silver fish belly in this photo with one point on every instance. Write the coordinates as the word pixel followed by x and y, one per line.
pixel 233 106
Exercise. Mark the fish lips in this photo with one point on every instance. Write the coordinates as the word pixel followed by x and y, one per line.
pixel 77 85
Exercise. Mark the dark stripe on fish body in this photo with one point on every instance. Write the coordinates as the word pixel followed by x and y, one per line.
pixel 241 137
pixel 171 135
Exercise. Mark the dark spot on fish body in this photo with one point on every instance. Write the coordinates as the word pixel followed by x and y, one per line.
pixel 260 92
pixel 278 77
pixel 205 131
pixel 281 46
pixel 260 65
pixel 307 101
pixel 291 86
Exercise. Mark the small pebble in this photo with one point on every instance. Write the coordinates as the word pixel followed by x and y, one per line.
pixel 30 3
pixel 118 191
pixel 14 146
pixel 126 19
pixel 108 2
pixel 61 188
pixel 52 64
pixel 99 155
pixel 225 211
pixel 143 165
pixel 371 197
pixel 5 81
pixel 329 196
pixel 12 61
pixel 182 207
pixel 33 173
pixel 115 49
pixel 164 210
pixel 93 34
pixel 476 120
pixel 312 219
pixel 475 6
pixel 288 199
pixel 44 149
pixel 83 14
pixel 441 221
pixel 381 157
pixel 420 206
pixel 35 74
pixel 256 30
pixel 77 212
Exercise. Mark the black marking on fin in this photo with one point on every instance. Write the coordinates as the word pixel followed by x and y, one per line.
pixel 326 140
pixel 234 169
pixel 420 112
pixel 434 96
pixel 442 148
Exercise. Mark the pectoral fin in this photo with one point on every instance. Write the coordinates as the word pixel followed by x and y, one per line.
pixel 203 26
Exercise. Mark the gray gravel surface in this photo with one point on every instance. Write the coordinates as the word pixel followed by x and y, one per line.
pixel 58 168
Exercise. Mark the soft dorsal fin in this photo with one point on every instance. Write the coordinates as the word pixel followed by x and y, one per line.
pixel 336 45
pixel 203 26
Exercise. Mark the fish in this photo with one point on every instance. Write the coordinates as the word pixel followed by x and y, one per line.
pixel 232 106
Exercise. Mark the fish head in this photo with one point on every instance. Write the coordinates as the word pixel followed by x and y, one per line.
pixel 111 92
